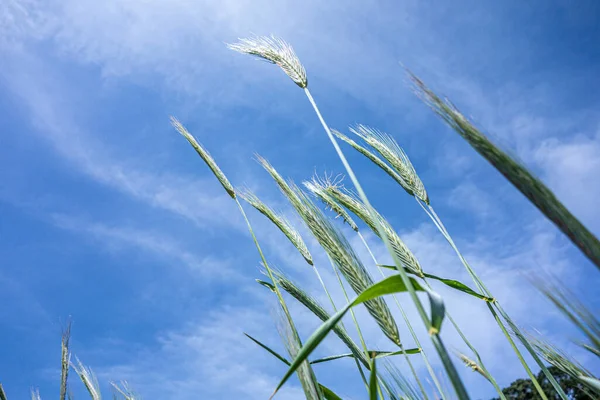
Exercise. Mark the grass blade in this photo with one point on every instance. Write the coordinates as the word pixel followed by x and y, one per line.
pixel 449 282
pixel 310 303
pixel 2 394
pixel 530 186
pixel 392 284
pixel 267 348
pixel 376 353
pixel 305 373
pixel 328 393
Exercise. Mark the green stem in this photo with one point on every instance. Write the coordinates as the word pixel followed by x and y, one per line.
pixel 459 387
pixel 410 328
pixel 276 287
pixel 440 225
pixel 358 365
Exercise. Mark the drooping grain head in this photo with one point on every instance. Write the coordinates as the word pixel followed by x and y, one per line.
pixel 276 51
pixel 283 224
pixel 205 155
pixel 393 153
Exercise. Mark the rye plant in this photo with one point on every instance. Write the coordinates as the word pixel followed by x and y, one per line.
pixel 406 277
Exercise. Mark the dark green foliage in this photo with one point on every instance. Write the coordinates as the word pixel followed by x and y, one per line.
pixel 523 389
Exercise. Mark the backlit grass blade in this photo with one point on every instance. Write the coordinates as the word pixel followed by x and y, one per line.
pixel 376 353
pixel 530 186
pixel 305 373
pixel 267 348
pixel 309 302
pixel 392 284
pixel 449 282
pixel 328 393
pixel 373 387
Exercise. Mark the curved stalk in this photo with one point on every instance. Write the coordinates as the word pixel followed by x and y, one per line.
pixel 440 225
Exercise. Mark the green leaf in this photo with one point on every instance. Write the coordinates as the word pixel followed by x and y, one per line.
pixel 438 311
pixel 328 393
pixel 448 282
pixel 378 354
pixel 389 285
pixel 266 284
pixel 373 382
pixel 267 348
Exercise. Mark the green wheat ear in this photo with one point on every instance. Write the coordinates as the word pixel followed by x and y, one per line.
pixel 530 186
pixel 205 155
pixel 283 224
pixel 393 153
pixel 351 202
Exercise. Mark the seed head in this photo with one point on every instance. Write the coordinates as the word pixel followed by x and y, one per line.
pixel 276 51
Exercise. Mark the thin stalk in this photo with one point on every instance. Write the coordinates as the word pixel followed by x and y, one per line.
pixel 474 350
pixel 436 340
pixel 440 225
pixel 358 365
pixel 274 281
pixel 410 328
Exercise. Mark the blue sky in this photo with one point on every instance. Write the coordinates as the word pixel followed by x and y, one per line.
pixel 108 216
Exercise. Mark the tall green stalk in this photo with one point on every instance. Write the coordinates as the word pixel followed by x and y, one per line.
pixel 412 332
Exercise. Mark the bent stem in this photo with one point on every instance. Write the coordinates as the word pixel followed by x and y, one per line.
pixel 435 338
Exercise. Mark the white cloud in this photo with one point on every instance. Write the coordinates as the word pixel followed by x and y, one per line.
pixel 210 358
